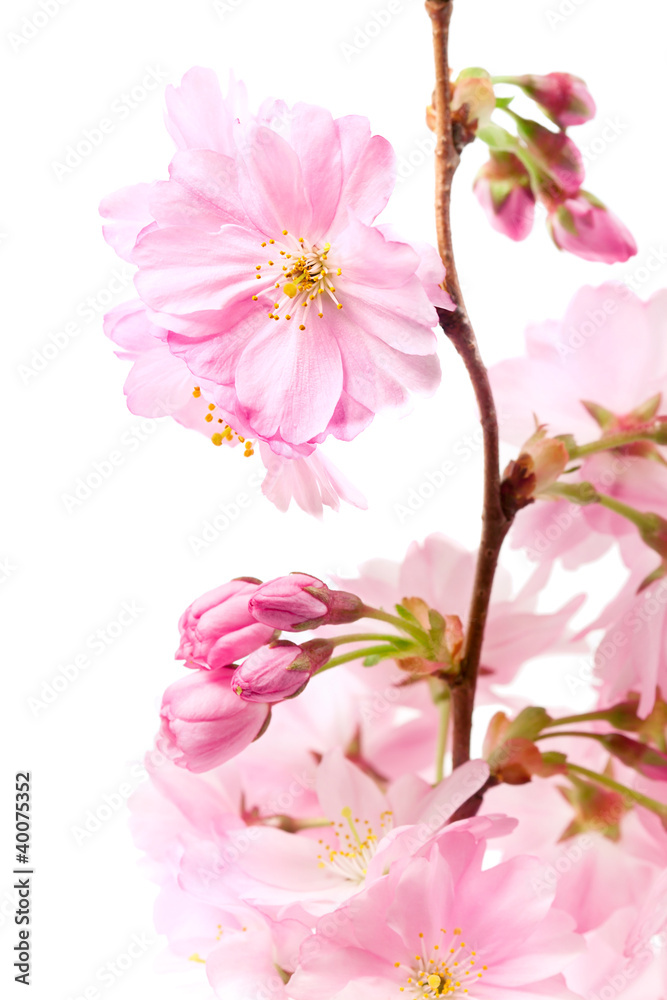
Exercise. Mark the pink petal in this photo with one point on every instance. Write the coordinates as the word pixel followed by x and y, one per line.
pixel 290 380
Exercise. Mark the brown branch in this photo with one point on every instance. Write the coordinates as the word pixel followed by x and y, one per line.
pixel 457 326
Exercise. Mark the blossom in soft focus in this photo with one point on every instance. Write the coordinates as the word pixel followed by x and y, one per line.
pixel 258 255
pixel 579 377
pixel 298 601
pixel 582 225
pixel 161 384
pixel 441 573
pixel 280 670
pixel 473 99
pixel 218 629
pixel 503 189
pixel 203 723
pixel 438 925
pixel 565 98
pixel 555 153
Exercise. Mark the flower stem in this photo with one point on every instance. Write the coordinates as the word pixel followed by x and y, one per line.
pixel 400 623
pixel 629 793
pixel 457 326
pixel 610 442
pixel 359 654
pixel 340 640
pixel 441 748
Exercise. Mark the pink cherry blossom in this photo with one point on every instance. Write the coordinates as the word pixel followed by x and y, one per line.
pixel 402 932
pixel 218 628
pixel 582 225
pixel 244 195
pixel 203 723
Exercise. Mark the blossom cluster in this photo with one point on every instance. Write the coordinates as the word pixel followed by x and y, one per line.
pixel 538 164
pixel 316 831
pixel 314 857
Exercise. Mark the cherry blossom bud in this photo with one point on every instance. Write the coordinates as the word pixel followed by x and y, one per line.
pixel 563 97
pixel 281 670
pixel 218 629
pixel 298 602
pixel 473 99
pixel 504 191
pixel 584 226
pixel 540 464
pixel 204 723
pixel 555 153
pixel 647 760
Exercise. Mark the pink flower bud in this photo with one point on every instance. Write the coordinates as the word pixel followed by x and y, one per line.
pixel 503 190
pixel 218 629
pixel 298 602
pixel 583 226
pixel 565 98
pixel 281 670
pixel 555 153
pixel 204 723
pixel 473 99
pixel 540 464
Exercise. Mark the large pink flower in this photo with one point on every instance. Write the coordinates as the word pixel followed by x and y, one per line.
pixel 437 925
pixel 262 262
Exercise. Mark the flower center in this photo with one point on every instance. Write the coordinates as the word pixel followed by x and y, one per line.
pixel 225 434
pixel 302 278
pixel 451 969
pixel 350 859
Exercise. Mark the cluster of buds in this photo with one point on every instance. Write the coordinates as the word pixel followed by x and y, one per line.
pixel 537 164
pixel 223 705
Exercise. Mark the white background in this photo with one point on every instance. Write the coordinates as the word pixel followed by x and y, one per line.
pixel 67 573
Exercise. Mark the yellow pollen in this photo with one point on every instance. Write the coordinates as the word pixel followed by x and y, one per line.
pixel 195 958
pixel 255 297
pixel 434 982
pixel 290 289
pixel 301 326
pixel 284 232
pixel 288 316
pixel 196 392
pixel 211 406
pixel 216 439
pixel 259 277
pixel 258 267
pixel 264 243
pixel 208 417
